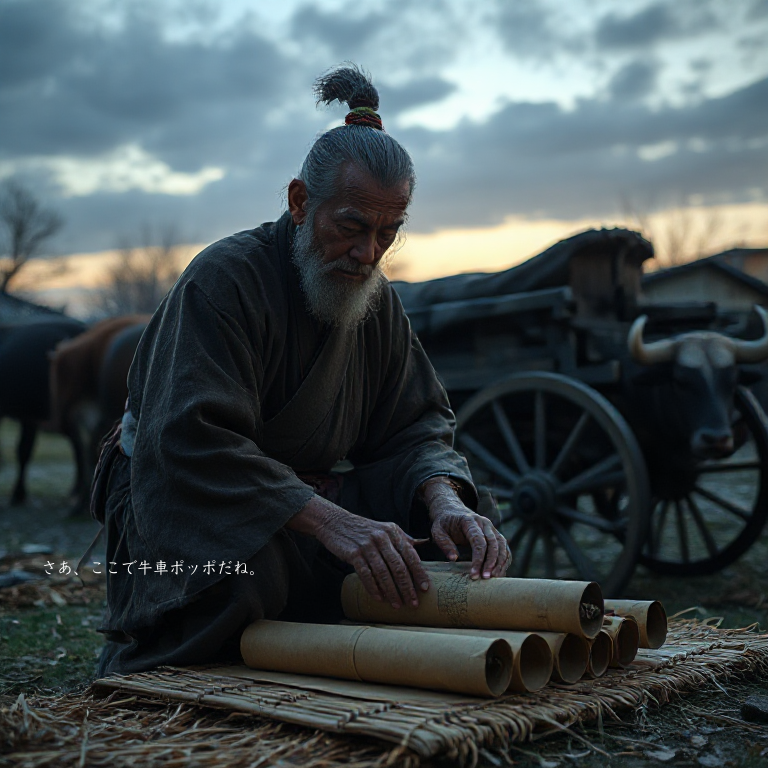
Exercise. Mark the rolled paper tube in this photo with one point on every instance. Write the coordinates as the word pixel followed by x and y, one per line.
pixel 650 616
pixel 625 637
pixel 532 660
pixel 455 600
pixel 478 666
pixel 600 652
pixel 570 654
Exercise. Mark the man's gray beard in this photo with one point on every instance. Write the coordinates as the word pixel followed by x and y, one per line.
pixel 331 300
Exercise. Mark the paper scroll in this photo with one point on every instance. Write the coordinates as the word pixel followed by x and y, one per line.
pixel 478 666
pixel 455 600
pixel 570 654
pixel 650 616
pixel 532 661
pixel 625 636
pixel 600 652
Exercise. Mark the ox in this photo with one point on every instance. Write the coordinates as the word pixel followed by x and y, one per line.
pixel 86 374
pixel 681 403
pixel 24 387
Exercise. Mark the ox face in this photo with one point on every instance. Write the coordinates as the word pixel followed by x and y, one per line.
pixel 704 378
pixel 692 380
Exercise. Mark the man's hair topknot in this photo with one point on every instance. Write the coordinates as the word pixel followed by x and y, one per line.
pixel 348 84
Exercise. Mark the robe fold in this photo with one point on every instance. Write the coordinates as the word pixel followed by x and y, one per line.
pixel 236 390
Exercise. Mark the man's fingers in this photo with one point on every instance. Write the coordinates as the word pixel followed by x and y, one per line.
pixel 399 570
pixel 404 545
pixel 502 562
pixel 383 577
pixel 445 542
pixel 366 576
pixel 492 549
pixel 476 538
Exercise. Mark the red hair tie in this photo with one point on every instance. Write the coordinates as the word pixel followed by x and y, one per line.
pixel 364 116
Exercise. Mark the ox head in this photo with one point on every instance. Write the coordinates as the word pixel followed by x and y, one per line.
pixel 698 377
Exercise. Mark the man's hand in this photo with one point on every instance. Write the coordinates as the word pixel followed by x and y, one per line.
pixel 453 523
pixel 382 554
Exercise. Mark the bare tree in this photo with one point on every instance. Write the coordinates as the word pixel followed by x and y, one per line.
pixel 141 276
pixel 677 236
pixel 28 226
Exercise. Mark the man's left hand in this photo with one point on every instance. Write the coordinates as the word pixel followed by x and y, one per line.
pixel 454 524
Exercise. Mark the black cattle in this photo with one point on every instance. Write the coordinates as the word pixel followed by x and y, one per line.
pixel 25 388
pixel 679 393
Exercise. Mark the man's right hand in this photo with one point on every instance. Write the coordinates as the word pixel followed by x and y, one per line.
pixel 382 554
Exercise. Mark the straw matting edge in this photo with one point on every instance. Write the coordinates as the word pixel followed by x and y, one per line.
pixel 696 655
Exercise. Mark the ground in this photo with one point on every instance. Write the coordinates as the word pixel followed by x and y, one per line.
pixel 53 647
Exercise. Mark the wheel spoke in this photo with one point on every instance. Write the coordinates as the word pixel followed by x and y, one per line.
pixel 600 523
pixel 540 430
pixel 515 539
pixel 570 443
pixel 736 466
pixel 682 532
pixel 659 530
pixel 510 438
pixel 493 463
pixel 575 555
pixel 524 563
pixel 597 476
pixel 549 556
pixel 706 534
pixel 723 503
pixel 499 492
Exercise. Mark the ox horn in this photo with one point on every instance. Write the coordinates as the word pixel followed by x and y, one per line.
pixel 753 351
pixel 648 354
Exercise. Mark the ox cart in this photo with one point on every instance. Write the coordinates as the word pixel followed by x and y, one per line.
pixel 598 457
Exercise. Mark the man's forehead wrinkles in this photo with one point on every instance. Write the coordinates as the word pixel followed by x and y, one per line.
pixel 365 216
pixel 372 201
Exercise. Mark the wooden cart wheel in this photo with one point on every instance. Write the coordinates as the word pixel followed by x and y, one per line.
pixel 708 514
pixel 567 475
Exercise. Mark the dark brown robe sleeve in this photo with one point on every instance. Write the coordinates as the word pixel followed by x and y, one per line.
pixel 202 488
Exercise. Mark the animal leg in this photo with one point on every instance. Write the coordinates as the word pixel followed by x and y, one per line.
pixel 79 493
pixel 23 454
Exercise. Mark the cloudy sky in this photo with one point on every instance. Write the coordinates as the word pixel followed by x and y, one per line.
pixel 197 113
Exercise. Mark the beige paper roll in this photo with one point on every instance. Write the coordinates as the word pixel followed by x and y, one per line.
pixel 600 652
pixel 532 660
pixel 625 637
pixel 650 616
pixel 455 600
pixel 570 655
pixel 478 666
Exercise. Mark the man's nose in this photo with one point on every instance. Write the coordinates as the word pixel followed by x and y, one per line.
pixel 364 251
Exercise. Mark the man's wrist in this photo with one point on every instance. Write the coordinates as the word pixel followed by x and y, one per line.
pixel 438 488
pixel 314 516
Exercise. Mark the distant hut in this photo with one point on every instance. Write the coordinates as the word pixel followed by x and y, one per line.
pixel 734 280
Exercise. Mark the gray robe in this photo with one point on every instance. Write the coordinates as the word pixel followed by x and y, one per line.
pixel 237 390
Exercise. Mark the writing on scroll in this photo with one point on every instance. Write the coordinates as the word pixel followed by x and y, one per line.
pixel 452 599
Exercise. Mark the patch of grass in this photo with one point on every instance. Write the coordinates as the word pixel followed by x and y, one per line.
pixel 49 649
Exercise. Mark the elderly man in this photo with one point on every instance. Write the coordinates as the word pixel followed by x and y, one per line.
pixel 280 352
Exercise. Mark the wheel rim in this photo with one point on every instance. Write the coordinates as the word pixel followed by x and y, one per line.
pixel 567 475
pixel 721 508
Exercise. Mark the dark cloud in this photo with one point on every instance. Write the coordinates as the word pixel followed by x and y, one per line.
pixel 341 31
pixel 422 91
pixel 539 159
pixel 85 91
pixel 70 88
pixel 525 27
pixel 654 23
pixel 758 10
pixel 633 81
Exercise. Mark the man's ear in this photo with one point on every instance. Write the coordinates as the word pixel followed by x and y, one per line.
pixel 297 201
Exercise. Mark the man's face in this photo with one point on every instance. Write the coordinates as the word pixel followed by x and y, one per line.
pixel 338 247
